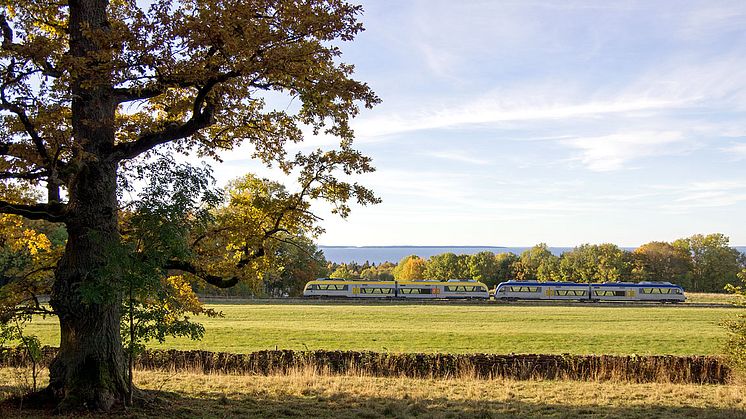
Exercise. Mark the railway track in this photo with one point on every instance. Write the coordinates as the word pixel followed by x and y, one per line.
pixel 475 302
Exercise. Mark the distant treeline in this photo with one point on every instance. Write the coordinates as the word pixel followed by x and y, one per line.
pixel 699 263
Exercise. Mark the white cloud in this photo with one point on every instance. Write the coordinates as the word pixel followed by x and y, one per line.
pixel 486 111
pixel 457 156
pixel 709 17
pixel 737 150
pixel 688 197
pixel 612 152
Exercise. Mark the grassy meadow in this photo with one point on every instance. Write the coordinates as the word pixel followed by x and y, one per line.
pixel 310 393
pixel 454 328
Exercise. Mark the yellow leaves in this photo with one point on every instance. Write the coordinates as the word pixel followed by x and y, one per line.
pixel 19 239
pixel 410 268
pixel 34 242
pixel 181 294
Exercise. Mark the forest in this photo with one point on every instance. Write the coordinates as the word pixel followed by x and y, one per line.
pixel 700 263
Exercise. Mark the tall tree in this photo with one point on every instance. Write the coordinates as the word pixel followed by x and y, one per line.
pixel 297 261
pixel 589 263
pixel 343 272
pixel 537 264
pixel 506 266
pixel 660 261
pixel 483 267
pixel 714 264
pixel 410 268
pixel 447 266
pixel 88 87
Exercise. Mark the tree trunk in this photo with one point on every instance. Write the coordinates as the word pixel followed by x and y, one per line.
pixel 90 370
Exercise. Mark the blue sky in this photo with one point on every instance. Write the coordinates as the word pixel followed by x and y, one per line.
pixel 565 122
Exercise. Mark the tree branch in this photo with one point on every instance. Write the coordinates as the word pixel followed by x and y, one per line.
pixel 148 141
pixel 45 66
pixel 29 127
pixel 297 246
pixel 24 175
pixel 202 117
pixel 220 282
pixel 129 94
pixel 53 212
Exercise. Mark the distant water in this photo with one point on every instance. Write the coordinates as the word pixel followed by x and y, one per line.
pixel 380 254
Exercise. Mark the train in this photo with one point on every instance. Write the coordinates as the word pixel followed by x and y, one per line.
pixel 420 289
pixel 662 292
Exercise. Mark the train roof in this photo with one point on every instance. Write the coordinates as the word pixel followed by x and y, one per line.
pixel 540 283
pixel 436 281
pixel 452 281
pixel 646 284
pixel 637 284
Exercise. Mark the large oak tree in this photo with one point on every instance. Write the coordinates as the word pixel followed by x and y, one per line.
pixel 89 87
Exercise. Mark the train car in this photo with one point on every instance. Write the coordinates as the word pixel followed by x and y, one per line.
pixel 330 287
pixel 327 287
pixel 451 289
pixel 664 292
pixel 533 290
pixel 609 291
pixel 423 289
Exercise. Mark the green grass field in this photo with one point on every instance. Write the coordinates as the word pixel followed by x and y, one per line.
pixel 596 329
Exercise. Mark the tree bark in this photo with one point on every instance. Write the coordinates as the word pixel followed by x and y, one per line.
pixel 89 371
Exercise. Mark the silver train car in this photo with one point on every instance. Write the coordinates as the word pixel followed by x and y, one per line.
pixel 664 292
pixel 422 289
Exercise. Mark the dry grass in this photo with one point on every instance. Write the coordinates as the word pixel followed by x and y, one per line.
pixel 312 393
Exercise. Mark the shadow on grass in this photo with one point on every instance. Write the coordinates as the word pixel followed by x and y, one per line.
pixel 170 404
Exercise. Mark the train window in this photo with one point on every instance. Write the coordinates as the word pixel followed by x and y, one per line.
pixel 609 293
pixel 416 291
pixel 569 293
pixel 525 289
pixel 375 290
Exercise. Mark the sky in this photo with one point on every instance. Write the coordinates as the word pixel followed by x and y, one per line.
pixel 510 123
